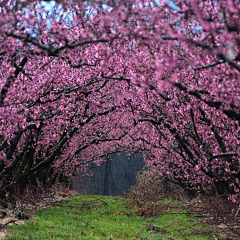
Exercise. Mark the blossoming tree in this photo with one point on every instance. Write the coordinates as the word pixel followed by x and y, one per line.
pixel 89 78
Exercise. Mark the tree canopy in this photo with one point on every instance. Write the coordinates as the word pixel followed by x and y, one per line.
pixel 85 79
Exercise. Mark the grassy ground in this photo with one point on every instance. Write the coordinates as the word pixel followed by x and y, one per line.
pixel 104 217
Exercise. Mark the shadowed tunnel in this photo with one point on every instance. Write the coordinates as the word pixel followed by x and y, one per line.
pixel 114 177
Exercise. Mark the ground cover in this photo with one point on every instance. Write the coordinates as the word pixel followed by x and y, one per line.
pixel 104 217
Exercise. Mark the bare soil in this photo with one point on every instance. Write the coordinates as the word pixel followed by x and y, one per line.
pixel 23 211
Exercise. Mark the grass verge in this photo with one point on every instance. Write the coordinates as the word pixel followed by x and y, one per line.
pixel 104 217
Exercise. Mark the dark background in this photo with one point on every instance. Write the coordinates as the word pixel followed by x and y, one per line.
pixel 114 177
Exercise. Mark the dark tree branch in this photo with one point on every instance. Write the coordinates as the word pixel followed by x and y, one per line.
pixel 224 155
pixel 49 49
pixel 208 65
pixel 11 79
pixel 217 105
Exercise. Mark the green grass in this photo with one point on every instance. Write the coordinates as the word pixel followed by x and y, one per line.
pixel 104 217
